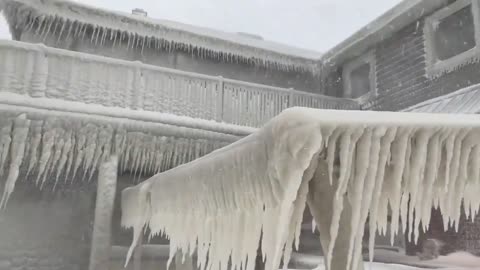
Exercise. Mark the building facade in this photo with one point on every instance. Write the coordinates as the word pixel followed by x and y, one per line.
pixel 419 56
pixel 136 37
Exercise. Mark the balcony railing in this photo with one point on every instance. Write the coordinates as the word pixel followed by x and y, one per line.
pixel 39 71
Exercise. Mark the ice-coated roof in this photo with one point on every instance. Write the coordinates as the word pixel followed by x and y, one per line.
pixel 194 39
pixel 464 101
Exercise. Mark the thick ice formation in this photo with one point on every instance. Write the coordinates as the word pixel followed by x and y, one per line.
pixel 51 148
pixel 65 20
pixel 350 166
pixel 48 75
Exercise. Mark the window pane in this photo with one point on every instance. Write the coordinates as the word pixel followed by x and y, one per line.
pixel 360 81
pixel 455 34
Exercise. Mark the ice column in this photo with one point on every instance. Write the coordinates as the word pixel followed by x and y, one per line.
pixel 106 189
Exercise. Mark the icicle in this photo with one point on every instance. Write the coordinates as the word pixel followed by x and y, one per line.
pixel 115 39
pixel 331 150
pixel 91 145
pixel 100 29
pixel 95 29
pixel 19 138
pixel 419 158
pixel 80 140
pixel 47 29
pixel 77 29
pixel 104 36
pixel 63 22
pixel 39 24
pixel 36 137
pixel 48 140
pixel 128 41
pixel 58 148
pixel 102 150
pixel 67 148
pixel 71 156
pixel 70 29
pixel 84 31
pixel 5 140
pixel 143 44
pixel 355 194
pixel 31 23
pixel 393 187
pixel 386 142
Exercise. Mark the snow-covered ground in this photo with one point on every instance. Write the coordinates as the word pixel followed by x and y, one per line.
pixel 383 266
pixel 394 261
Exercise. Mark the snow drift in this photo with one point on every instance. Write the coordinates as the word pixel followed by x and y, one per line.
pixel 348 165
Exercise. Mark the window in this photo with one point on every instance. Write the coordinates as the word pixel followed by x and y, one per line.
pixel 452 37
pixel 359 77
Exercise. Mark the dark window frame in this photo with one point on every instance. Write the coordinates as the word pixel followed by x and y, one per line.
pixel 348 68
pixel 436 67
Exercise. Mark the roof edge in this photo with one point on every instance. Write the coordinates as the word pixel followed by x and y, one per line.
pixel 450 97
pixel 380 29
pixel 212 43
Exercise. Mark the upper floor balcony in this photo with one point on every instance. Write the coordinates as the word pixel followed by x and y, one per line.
pixel 37 71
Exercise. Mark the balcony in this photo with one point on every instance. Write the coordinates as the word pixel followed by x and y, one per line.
pixel 37 71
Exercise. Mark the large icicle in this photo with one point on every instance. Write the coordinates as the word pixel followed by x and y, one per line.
pixel 55 147
pixel 19 138
pixel 254 186
pixel 273 206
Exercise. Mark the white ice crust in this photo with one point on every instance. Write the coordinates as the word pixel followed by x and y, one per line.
pixel 255 190
pixel 72 19
pixel 52 141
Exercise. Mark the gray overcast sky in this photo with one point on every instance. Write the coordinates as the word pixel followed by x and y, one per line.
pixel 311 24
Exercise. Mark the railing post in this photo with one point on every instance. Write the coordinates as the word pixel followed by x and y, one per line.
pixel 139 87
pixel 290 100
pixel 101 246
pixel 221 99
pixel 40 74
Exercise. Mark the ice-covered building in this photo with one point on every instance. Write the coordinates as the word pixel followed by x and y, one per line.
pixel 137 37
pixel 420 56
pixel 141 85
pixel 64 113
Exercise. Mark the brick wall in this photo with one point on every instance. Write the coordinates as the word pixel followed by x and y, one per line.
pixel 402 82
pixel 401 75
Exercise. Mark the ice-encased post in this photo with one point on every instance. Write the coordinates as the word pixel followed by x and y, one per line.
pixel 101 238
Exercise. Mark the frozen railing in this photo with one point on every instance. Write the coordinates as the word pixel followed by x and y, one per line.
pixel 40 71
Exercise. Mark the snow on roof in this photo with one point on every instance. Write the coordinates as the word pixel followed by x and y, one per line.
pixel 164 34
pixel 464 101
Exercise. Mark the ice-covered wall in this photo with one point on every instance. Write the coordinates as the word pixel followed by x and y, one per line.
pixel 47 230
